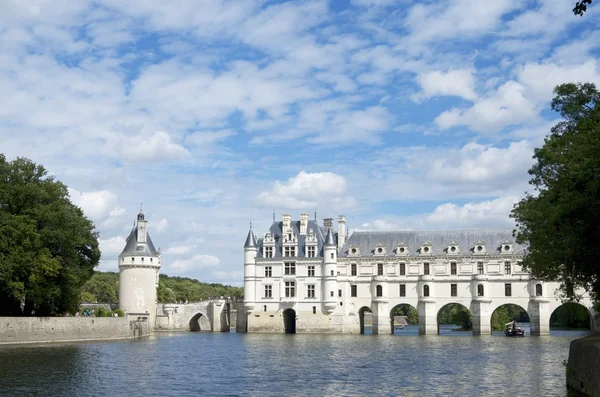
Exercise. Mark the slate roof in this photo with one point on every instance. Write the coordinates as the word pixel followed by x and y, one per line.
pixel 276 231
pixel 250 240
pixel 132 248
pixel 465 239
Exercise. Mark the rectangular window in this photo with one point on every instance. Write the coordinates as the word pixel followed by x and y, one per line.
pixel 402 269
pixel 289 252
pixel 289 268
pixel 331 293
pixel 453 268
pixel 339 292
pixel 268 291
pixel 332 256
pixel 402 289
pixel 311 271
pixel 353 269
pixel 264 308
pixel 353 291
pixel 310 252
pixel 507 290
pixel 479 267
pixel 507 268
pixel 290 289
pixel 310 291
pixel 380 269
pixel 268 252
pixel 314 310
pixel 425 268
pixel 453 290
pixel 268 271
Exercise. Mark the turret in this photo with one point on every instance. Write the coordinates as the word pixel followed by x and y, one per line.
pixel 250 251
pixel 139 266
pixel 329 273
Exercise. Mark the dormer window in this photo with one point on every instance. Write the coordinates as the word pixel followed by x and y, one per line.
pixel 353 251
pixel 506 247
pixel 401 249
pixel 452 248
pixel 379 250
pixel 426 248
pixel 479 248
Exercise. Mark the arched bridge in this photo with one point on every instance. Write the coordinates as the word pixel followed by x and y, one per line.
pixel 209 315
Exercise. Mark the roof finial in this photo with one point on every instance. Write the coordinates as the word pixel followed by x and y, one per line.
pixel 250 223
pixel 315 214
pixel 141 206
pixel 273 216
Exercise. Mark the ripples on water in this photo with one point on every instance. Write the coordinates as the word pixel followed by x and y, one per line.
pixel 216 364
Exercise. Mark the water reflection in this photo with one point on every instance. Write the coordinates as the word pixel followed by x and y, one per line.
pixel 294 365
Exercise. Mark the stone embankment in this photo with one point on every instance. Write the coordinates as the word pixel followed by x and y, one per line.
pixel 17 330
pixel 583 368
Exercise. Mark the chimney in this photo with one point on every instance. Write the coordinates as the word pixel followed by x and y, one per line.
pixel 341 231
pixel 328 224
pixel 287 222
pixel 303 223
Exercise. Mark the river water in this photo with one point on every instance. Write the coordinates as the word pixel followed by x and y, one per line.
pixel 218 364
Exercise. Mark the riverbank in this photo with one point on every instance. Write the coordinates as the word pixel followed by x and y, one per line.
pixel 22 330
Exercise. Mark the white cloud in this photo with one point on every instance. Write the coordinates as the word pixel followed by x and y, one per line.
pixel 157 147
pixel 493 213
pixel 180 249
pixel 201 261
pixel 97 205
pixel 162 224
pixel 111 247
pixel 480 163
pixel 459 83
pixel 307 190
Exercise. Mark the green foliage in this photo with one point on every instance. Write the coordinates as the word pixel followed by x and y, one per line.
pixel 455 313
pixel 410 312
pixel 581 7
pixel 87 297
pixel 507 313
pixel 570 315
pixel 48 248
pixel 119 312
pixel 103 286
pixel 559 225
pixel 182 289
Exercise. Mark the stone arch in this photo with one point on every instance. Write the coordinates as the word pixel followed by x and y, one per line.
pixel 463 316
pixel 361 317
pixel 576 316
pixel 289 321
pixel 514 312
pixel 404 308
pixel 200 322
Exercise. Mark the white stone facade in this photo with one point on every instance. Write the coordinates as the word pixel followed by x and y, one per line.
pixel 479 269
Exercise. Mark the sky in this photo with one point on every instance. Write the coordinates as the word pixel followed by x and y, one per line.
pixel 215 114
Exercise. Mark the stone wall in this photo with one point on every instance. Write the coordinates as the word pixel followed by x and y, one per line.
pixel 15 330
pixel 583 369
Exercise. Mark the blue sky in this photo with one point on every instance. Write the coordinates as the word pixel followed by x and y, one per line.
pixel 397 114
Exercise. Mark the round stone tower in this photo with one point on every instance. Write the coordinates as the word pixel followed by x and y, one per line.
pixel 139 265
pixel 250 251
pixel 329 273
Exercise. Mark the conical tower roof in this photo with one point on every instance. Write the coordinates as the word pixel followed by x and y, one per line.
pixel 329 240
pixel 250 240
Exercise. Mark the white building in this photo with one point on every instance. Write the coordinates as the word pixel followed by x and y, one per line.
pixel 139 266
pixel 303 276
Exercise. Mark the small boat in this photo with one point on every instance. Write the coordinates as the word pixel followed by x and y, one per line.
pixel 511 329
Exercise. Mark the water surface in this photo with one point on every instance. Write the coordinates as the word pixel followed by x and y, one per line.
pixel 217 364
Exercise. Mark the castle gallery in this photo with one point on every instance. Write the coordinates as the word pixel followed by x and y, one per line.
pixel 301 276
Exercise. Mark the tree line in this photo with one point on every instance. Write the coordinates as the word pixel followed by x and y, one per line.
pixel 103 287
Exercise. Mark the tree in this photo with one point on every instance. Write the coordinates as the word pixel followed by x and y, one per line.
pixel 48 248
pixel 560 226
pixel 581 7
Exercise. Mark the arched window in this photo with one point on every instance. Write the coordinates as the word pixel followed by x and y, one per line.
pixel 379 290
pixel 538 290
pixel 426 290
pixel 480 290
